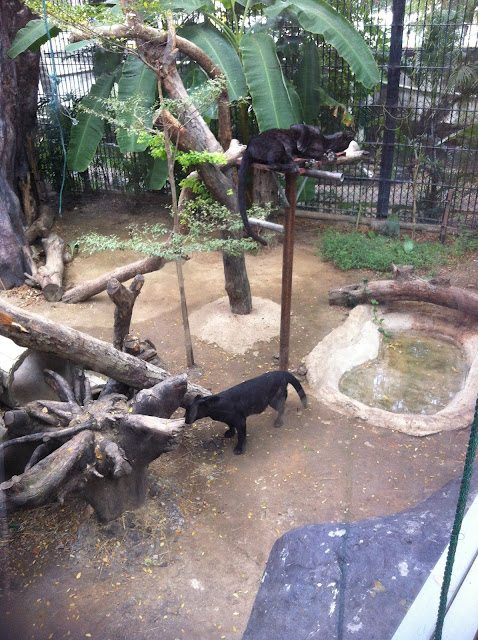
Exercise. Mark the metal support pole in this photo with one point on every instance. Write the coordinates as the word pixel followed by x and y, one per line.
pixel 391 108
pixel 287 262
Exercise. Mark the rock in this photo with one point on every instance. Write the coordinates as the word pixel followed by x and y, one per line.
pixel 352 580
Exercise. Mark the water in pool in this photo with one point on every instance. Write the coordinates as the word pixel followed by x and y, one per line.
pixel 412 374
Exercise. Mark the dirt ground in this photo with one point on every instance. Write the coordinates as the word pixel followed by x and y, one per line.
pixel 189 563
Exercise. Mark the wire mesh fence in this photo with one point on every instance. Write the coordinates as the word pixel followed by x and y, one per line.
pixel 419 125
pixel 432 119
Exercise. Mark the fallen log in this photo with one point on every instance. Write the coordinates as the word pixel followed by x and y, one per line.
pixel 40 484
pixel 90 288
pixel 35 332
pixel 49 277
pixel 42 226
pixel 408 287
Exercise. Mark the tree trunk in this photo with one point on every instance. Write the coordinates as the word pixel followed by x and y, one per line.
pixel 264 188
pixel 407 286
pixel 124 300
pixel 237 282
pixel 197 135
pixel 18 105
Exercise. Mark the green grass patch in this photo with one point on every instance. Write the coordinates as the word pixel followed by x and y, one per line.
pixel 372 251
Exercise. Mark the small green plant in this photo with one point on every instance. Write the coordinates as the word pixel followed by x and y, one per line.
pixel 386 335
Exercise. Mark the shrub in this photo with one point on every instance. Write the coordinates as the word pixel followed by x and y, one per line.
pixel 356 250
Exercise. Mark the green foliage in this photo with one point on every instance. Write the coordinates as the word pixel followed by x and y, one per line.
pixel 156 144
pixel 186 159
pixel 87 134
pixel 222 52
pixel 355 250
pixel 197 186
pixel 31 37
pixel 465 243
pixel 139 81
pixel 201 95
pixel 237 38
pixel 317 16
pixel 224 37
pixel 66 14
pixel 273 101
pixel 203 218
pixel 309 69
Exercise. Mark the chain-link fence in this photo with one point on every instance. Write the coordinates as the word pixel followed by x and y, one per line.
pixel 420 125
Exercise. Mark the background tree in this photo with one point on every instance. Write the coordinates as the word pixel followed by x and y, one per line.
pixel 18 106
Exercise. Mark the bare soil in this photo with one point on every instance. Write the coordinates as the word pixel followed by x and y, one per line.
pixel 189 563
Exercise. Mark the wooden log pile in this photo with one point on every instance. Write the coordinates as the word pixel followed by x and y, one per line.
pixel 99 448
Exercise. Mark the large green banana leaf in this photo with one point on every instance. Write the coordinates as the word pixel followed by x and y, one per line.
pixel 308 191
pixel 31 37
pixel 86 135
pixel 137 89
pixel 107 61
pixel 307 82
pixel 212 42
pixel 194 79
pixel 157 174
pixel 76 46
pixel 317 16
pixel 188 6
pixel 274 105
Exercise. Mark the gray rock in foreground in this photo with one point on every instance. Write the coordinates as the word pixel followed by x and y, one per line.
pixel 352 580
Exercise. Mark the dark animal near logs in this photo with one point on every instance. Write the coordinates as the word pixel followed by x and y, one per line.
pixel 278 148
pixel 250 397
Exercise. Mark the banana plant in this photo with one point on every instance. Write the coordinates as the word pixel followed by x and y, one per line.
pixel 241 46
pixel 257 72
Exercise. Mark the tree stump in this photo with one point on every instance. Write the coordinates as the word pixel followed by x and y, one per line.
pixel 99 449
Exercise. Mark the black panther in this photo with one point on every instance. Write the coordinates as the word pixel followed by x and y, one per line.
pixel 278 147
pixel 250 397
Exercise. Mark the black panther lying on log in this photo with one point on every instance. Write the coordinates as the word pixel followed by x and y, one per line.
pixel 278 147
pixel 250 397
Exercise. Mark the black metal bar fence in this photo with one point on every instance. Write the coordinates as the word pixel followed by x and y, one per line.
pixel 419 125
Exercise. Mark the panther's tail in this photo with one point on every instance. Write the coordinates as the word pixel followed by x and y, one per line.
pixel 243 171
pixel 298 387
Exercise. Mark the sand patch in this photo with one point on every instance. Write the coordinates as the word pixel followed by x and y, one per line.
pixel 214 323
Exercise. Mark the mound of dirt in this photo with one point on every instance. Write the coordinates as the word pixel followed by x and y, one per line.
pixel 215 323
